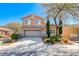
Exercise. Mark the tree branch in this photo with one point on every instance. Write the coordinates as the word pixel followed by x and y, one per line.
pixel 58 14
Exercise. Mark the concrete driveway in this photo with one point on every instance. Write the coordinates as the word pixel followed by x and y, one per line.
pixel 34 39
pixel 35 47
pixel 25 46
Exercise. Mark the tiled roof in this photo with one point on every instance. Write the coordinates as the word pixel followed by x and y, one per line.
pixel 5 29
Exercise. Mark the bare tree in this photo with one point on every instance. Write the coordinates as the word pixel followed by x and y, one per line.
pixel 14 26
pixel 55 10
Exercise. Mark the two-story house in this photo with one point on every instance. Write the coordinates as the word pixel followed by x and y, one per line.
pixel 33 26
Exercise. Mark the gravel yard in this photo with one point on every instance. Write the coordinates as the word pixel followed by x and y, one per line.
pixel 35 47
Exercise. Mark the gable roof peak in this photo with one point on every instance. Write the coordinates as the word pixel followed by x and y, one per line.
pixel 33 15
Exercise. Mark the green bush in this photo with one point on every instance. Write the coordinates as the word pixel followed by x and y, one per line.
pixel 15 36
pixel 54 38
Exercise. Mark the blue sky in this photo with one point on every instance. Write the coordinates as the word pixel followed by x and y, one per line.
pixel 13 12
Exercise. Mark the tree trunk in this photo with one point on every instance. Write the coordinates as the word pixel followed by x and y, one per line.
pixel 57 30
pixel 57 33
pixel 56 26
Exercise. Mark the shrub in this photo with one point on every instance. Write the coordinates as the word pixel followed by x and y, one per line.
pixel 65 40
pixel 9 41
pixel 60 30
pixel 15 36
pixel 46 40
pixel 54 38
pixel 48 28
pixel 0 36
pixel 60 26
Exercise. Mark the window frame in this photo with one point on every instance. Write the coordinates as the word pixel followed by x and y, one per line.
pixel 28 22
pixel 39 22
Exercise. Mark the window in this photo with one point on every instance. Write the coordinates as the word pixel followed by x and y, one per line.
pixel 28 22
pixel 37 22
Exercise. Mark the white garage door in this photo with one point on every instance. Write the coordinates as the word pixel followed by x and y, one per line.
pixel 33 33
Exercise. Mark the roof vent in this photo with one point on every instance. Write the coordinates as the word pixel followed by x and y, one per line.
pixel 32 16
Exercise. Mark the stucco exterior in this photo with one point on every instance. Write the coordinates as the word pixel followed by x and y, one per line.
pixel 33 26
pixel 5 33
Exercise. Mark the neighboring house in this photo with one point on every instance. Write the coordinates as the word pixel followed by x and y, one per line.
pixel 5 33
pixel 34 26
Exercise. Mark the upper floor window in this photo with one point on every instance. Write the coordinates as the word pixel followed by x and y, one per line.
pixel 28 22
pixel 37 22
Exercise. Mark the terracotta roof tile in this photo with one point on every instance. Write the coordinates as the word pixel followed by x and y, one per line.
pixel 5 29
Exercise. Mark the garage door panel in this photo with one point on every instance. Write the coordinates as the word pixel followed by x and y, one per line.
pixel 32 33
